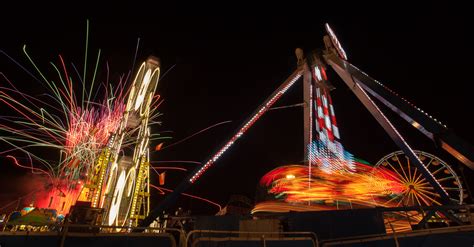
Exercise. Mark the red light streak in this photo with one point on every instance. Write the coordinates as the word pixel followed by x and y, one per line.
pixel 161 189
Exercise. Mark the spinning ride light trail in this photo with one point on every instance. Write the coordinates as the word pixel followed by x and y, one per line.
pixel 365 187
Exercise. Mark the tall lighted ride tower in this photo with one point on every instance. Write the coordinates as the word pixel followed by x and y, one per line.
pixel 119 181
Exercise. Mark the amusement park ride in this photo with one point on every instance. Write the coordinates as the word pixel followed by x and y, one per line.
pixel 320 126
pixel 118 183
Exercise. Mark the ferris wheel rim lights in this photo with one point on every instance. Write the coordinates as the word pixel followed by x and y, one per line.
pixel 143 89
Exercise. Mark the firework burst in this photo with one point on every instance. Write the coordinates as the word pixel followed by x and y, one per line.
pixel 75 117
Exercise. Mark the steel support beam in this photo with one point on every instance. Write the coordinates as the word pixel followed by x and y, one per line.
pixel 340 67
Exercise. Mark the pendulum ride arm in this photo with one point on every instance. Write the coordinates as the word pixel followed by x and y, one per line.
pixel 340 66
pixel 432 128
pixel 193 177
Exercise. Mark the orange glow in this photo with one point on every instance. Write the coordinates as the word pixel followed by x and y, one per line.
pixel 365 187
pixel 158 147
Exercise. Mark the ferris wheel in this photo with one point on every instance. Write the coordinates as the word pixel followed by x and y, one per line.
pixel 415 190
pixel 123 178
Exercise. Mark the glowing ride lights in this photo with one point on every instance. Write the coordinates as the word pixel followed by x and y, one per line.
pixel 247 125
pixel 317 72
pixel 414 189
pixel 126 178
pixel 410 152
pixel 331 156
pixel 390 183
pixel 117 196
pixel 334 163
pixel 326 151
pixel 366 187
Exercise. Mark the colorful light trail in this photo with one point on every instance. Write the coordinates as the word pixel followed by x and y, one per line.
pixel 64 131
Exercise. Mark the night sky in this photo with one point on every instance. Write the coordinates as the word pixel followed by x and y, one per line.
pixel 228 58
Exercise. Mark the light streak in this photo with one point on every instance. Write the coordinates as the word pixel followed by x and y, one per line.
pixel 197 133
pixel 169 168
pixel 117 198
pixel 260 111
pixel 365 187
pixel 57 122
pixel 161 189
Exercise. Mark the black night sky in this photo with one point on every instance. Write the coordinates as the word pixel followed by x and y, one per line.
pixel 228 58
